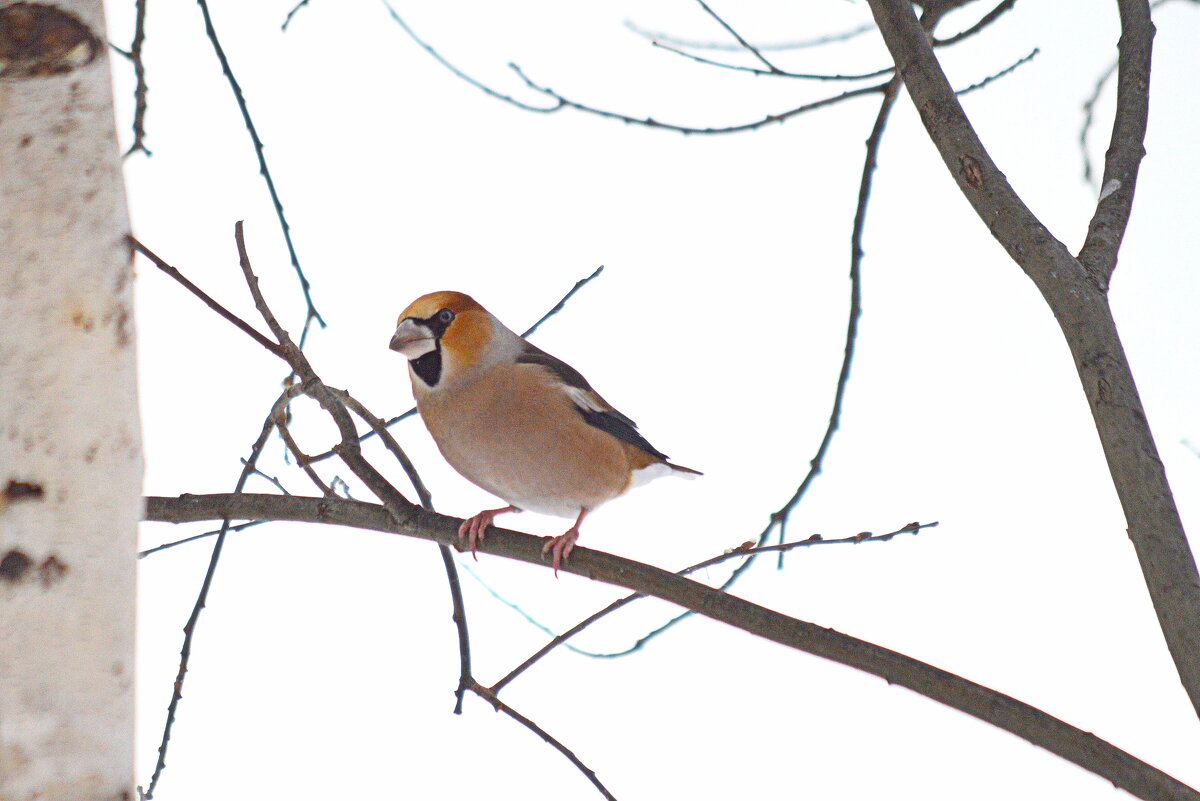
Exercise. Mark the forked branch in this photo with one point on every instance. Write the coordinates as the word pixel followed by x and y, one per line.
pixel 1075 289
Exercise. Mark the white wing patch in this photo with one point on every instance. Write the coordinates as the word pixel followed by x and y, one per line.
pixel 584 399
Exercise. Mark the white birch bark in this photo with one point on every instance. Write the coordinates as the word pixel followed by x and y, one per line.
pixel 70 452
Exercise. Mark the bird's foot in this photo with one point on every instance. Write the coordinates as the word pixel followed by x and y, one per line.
pixel 473 528
pixel 560 547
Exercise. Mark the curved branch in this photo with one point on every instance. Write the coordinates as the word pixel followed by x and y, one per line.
pixel 311 313
pixel 1021 719
pixel 774 73
pixel 797 44
pixel 439 58
pixel 984 21
pixel 650 122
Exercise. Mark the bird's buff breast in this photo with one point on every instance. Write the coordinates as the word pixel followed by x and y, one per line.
pixel 527 444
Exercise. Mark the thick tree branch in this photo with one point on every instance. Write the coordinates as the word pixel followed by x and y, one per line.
pixel 1021 719
pixel 1079 303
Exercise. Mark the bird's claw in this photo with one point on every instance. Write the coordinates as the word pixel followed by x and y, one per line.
pixel 474 527
pixel 560 548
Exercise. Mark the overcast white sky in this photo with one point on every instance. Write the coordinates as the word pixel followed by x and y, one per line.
pixel 325 663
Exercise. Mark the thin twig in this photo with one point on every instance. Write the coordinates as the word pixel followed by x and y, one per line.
pixel 650 122
pixel 350 451
pixel 500 706
pixel 779 518
pixel 771 73
pixel 459 73
pixel 515 607
pixel 378 426
pixel 194 537
pixel 1089 111
pixel 272 479
pixel 979 85
pixel 798 44
pixel 280 412
pixel 746 45
pixel 189 629
pixel 984 21
pixel 242 325
pixel 870 161
pixel 288 20
pixel 458 606
pixel 580 284
pixel 743 551
pixel 311 311
pixel 139 92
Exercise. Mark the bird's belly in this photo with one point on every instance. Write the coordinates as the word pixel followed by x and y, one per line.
pixel 543 459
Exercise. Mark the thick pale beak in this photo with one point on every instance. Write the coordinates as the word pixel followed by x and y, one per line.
pixel 412 339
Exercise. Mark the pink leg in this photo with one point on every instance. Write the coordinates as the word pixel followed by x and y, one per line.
pixel 561 546
pixel 474 527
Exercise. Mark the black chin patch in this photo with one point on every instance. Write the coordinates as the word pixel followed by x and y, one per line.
pixel 429 366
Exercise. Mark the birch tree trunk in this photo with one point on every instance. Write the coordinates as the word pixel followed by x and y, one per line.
pixel 70 451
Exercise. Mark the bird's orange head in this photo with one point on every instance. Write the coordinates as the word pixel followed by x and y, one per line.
pixel 442 324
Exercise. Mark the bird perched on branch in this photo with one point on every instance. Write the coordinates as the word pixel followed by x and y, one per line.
pixel 516 421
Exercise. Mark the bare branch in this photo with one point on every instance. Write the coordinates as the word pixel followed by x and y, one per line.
pixel 870 161
pixel 984 21
pixel 797 44
pixel 380 428
pixel 777 73
pixel 241 324
pixel 1079 302
pixel 350 452
pixel 501 706
pixel 996 76
pixel 580 284
pixel 139 92
pixel 650 122
pixel 194 537
pixel 275 482
pixel 311 313
pixel 189 629
pixel 780 517
pixel 288 19
pixel 1089 109
pixel 459 73
pixel 1126 146
pixel 743 551
pixel 1023 720
pixel 279 413
pixel 745 45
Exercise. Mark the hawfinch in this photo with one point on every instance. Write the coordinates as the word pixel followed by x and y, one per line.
pixel 516 421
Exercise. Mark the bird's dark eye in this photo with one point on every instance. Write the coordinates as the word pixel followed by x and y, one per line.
pixel 445 316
